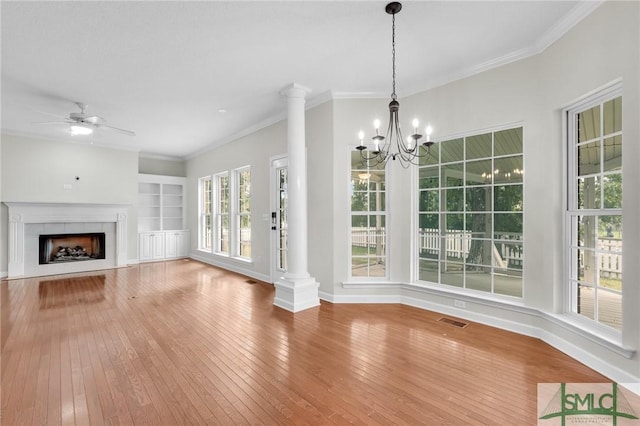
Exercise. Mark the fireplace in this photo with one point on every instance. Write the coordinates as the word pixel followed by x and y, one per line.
pixel 29 221
pixel 71 247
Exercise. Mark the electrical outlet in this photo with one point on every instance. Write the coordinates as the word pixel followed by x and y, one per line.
pixel 459 304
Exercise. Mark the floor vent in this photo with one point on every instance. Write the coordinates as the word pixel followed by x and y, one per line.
pixel 251 282
pixel 453 322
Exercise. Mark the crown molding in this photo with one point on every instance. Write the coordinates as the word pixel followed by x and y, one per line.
pixel 559 29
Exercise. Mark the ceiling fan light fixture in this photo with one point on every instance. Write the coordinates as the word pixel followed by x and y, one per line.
pixel 80 129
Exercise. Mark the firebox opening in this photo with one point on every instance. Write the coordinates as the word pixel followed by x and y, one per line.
pixel 71 247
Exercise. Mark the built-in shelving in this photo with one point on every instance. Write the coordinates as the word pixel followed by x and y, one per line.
pixel 161 218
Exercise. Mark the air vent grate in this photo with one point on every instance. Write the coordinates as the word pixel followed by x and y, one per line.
pixel 453 322
pixel 251 282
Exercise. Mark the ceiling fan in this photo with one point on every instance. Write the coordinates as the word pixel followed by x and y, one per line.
pixel 81 123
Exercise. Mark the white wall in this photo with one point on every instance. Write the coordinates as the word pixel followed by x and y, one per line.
pixel 35 170
pixel 155 166
pixel 533 92
pixel 253 150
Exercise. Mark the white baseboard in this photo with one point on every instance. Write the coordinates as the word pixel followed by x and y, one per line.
pixel 534 324
pixel 4 274
pixel 231 267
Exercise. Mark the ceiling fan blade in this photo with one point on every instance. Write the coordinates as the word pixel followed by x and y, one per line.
pixel 123 131
pixel 54 122
pixel 48 113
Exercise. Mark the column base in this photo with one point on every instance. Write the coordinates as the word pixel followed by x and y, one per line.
pixel 296 294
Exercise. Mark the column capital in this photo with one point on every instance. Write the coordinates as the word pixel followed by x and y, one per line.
pixel 295 90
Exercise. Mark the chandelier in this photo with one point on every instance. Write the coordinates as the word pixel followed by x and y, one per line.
pixel 393 145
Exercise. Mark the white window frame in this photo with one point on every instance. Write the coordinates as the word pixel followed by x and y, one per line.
pixel 219 215
pixel 571 211
pixel 492 294
pixel 384 213
pixel 205 238
pixel 237 214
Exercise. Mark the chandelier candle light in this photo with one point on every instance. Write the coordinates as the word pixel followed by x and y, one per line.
pixel 409 152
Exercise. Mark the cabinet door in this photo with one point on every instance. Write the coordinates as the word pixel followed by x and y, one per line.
pixel 145 247
pixel 183 244
pixel 157 241
pixel 171 241
pixel 177 244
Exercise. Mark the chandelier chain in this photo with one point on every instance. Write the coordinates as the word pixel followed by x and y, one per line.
pixel 393 54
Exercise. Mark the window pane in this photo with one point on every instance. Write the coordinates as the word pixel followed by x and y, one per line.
pixel 452 274
pixel 454 222
pixel 452 175
pixel 479 253
pixel 589 193
pixel 612 191
pixel 508 198
pixel 429 201
pixel 610 231
pixel 508 141
pixel 452 150
pixel 453 199
pixel 508 255
pixel 612 111
pixel 429 243
pixel 360 201
pixel 478 199
pixel 508 169
pixel 479 172
pixel 428 271
pixel 508 282
pixel 429 178
pixel 586 301
pixel 478 146
pixel 589 158
pixel 429 221
pixel 479 279
pixel 612 154
pixel 610 309
pixel 432 158
pixel 586 271
pixel 479 225
pixel 589 124
pixel 508 225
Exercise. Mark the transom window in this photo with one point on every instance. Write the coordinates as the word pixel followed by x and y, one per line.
pixel 470 220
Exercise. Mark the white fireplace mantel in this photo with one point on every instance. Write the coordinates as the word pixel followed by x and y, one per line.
pixel 21 213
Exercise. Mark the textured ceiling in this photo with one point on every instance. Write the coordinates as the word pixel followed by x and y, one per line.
pixel 165 69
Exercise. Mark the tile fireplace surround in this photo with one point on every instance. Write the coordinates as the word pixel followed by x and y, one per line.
pixel 28 220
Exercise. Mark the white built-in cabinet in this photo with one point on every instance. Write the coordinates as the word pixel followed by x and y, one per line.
pixel 161 218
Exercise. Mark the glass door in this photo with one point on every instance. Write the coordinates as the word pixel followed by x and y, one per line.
pixel 279 218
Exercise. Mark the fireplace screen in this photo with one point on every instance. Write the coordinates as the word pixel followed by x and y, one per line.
pixel 71 247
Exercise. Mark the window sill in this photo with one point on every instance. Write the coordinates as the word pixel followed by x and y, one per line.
pixel 610 339
pixel 377 283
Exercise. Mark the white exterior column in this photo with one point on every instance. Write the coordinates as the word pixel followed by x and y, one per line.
pixel 297 290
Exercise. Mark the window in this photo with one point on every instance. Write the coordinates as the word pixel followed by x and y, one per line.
pixel 368 219
pixel 231 212
pixel 594 208
pixel 470 204
pixel 204 229
pixel 222 213
pixel 243 212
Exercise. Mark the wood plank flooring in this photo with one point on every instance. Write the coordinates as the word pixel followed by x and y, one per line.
pixel 180 342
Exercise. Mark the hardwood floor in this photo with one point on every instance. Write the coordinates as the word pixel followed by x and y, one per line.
pixel 184 343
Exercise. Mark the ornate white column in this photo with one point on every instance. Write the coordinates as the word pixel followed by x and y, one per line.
pixel 297 290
